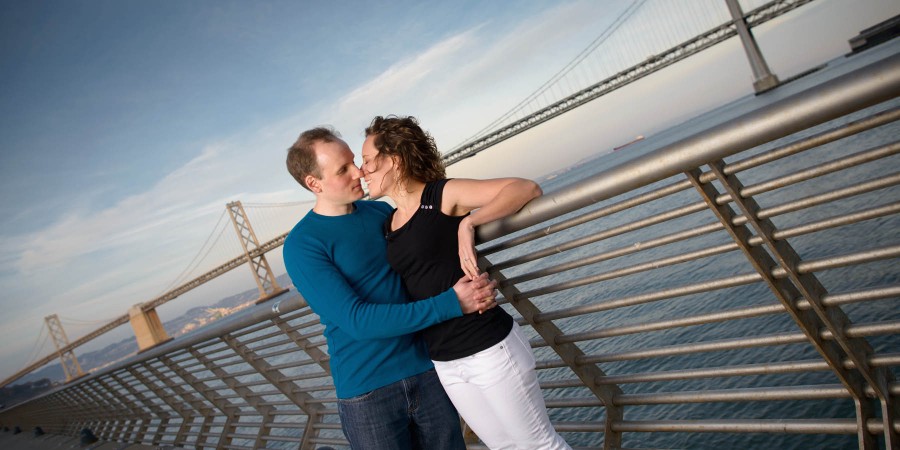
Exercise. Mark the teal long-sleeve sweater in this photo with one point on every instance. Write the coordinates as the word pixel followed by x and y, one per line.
pixel 339 265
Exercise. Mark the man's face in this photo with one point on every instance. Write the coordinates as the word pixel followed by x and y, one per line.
pixel 339 184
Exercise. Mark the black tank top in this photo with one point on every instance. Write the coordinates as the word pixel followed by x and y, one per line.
pixel 425 252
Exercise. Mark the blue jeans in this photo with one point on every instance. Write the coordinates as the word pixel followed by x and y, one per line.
pixel 413 413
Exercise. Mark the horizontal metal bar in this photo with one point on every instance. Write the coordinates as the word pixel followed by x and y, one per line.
pixel 276 333
pixel 868 329
pixel 808 266
pixel 830 196
pixel 699 347
pixel 800 426
pixel 890 359
pixel 291 349
pixel 631 270
pixel 657 325
pixel 309 376
pixel 329 441
pixel 718 372
pixel 855 159
pixel 736 395
pixel 284 439
pixel 622 251
pixel 581 402
pixel 816 140
pixel 587 217
pixel 833 222
pixel 632 300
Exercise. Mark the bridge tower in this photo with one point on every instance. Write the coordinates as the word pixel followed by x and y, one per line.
pixel 764 79
pixel 148 329
pixel 67 357
pixel 259 266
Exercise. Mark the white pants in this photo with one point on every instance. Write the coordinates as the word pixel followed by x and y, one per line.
pixel 497 393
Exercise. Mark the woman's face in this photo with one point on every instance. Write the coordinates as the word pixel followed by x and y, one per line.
pixel 378 170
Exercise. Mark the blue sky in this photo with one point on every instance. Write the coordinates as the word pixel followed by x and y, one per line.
pixel 126 126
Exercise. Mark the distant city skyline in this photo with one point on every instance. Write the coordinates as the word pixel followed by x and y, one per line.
pixel 128 126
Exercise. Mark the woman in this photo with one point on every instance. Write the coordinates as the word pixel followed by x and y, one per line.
pixel 483 360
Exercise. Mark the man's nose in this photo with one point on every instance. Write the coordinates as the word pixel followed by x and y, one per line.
pixel 359 172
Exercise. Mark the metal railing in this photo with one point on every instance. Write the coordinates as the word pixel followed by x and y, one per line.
pixel 670 299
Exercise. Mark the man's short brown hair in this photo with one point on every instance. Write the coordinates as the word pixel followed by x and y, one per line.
pixel 301 158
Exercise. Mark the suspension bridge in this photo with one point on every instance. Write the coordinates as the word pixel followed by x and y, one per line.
pixel 612 60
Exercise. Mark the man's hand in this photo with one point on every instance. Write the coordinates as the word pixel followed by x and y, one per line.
pixel 475 294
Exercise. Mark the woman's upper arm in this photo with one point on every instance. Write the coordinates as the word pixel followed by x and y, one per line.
pixel 462 195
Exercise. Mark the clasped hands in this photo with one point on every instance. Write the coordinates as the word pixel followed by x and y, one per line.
pixel 476 294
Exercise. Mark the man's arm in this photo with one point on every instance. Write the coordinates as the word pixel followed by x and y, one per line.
pixel 332 298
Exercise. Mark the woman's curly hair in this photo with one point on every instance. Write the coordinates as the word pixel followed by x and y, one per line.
pixel 414 147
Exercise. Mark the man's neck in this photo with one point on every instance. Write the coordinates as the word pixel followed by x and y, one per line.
pixel 332 209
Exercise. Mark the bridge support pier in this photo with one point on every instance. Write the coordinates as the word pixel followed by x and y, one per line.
pixel 763 78
pixel 148 329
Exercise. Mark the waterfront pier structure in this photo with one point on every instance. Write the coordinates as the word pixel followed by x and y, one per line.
pixel 804 315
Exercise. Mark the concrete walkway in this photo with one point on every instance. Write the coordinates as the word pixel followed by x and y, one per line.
pixel 28 441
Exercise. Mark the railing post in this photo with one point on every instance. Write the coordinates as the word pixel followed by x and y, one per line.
pixel 235 385
pixel 275 377
pixel 143 416
pixel 259 266
pixel 762 76
pixel 203 389
pixel 160 413
pixel 804 286
pixel 112 404
pixel 187 417
pixel 312 350
pixel 570 354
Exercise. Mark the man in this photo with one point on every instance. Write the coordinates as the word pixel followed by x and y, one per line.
pixel 389 396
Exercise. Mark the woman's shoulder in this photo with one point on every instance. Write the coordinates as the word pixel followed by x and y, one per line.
pixel 434 191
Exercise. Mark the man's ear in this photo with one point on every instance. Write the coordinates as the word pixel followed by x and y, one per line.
pixel 313 184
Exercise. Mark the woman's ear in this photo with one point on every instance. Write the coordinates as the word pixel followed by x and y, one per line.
pixel 398 164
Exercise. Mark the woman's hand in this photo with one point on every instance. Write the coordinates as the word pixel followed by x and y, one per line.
pixel 467 254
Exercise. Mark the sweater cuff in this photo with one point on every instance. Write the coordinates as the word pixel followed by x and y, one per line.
pixel 447 305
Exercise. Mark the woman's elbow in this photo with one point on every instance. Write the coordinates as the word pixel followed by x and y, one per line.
pixel 533 189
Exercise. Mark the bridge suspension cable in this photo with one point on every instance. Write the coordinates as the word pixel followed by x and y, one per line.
pixel 273 220
pixel 38 346
pixel 621 19
pixel 69 320
pixel 201 255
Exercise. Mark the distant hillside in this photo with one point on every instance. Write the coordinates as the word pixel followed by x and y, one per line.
pixel 10 395
pixel 192 319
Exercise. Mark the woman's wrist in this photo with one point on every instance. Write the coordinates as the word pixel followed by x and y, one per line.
pixel 467 223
